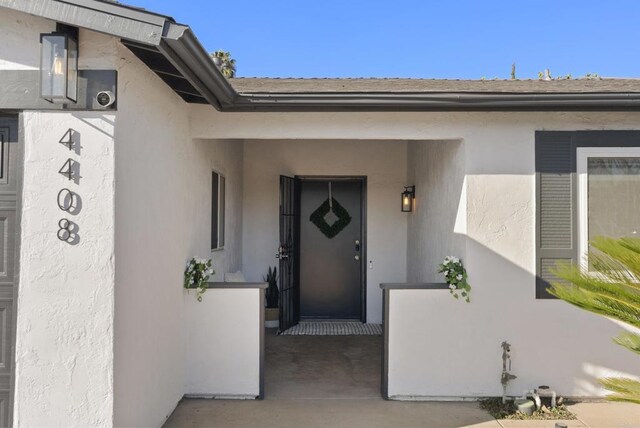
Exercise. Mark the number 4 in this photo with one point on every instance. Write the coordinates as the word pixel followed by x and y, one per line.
pixel 69 172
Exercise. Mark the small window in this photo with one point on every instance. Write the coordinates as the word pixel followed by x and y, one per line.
pixel 608 195
pixel 217 210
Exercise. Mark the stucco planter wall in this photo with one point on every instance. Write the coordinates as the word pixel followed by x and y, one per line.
pixel 224 347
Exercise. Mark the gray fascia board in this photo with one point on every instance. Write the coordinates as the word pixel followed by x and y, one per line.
pixel 122 10
pixel 91 15
pixel 196 62
pixel 434 101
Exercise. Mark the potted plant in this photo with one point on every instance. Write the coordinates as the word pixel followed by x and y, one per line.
pixel 272 313
pixel 196 276
pixel 456 276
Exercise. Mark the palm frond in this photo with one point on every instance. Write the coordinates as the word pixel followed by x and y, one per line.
pixel 611 288
pixel 623 389
pixel 629 340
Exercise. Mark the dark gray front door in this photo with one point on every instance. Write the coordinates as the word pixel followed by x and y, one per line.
pixel 331 267
pixel 10 176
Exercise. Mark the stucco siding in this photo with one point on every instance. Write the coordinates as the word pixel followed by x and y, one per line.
pixel 65 317
pixel 20 35
pixel 436 228
pixel 553 342
pixel 64 357
pixel 163 217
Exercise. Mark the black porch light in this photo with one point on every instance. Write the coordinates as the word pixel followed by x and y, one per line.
pixel 408 198
pixel 59 65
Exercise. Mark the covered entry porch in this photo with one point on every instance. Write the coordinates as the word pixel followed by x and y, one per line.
pixel 393 246
pixel 253 170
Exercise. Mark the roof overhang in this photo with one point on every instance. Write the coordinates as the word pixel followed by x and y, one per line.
pixel 174 53
pixel 434 102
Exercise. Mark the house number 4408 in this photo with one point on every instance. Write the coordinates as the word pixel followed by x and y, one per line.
pixel 68 201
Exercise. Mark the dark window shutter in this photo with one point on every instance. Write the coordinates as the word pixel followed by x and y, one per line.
pixel 556 226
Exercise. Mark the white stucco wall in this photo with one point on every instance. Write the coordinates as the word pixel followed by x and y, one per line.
pixel 222 335
pixel 163 218
pixel 226 157
pixel 384 165
pixel 437 226
pixel 553 342
pixel 64 348
pixel 20 35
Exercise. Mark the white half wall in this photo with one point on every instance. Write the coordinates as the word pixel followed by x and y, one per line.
pixel 222 335
pixel 384 165
pixel 437 227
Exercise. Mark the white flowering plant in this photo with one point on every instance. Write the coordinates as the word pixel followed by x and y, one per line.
pixel 197 274
pixel 455 275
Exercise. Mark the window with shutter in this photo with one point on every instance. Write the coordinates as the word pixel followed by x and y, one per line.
pixel 557 196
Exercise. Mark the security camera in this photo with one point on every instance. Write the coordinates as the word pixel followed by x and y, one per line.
pixel 105 98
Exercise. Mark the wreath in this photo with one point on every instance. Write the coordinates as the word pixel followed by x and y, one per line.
pixel 330 230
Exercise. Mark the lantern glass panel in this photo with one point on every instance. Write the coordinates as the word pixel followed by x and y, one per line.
pixel 53 67
pixel 407 201
pixel 72 69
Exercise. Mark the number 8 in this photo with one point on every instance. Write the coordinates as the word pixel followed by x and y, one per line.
pixel 64 231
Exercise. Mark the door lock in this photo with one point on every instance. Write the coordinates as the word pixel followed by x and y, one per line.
pixel 357 245
pixel 357 257
pixel 281 254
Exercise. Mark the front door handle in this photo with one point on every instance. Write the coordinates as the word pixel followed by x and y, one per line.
pixel 357 246
pixel 281 254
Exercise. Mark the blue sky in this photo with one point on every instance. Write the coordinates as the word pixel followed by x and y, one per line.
pixel 411 38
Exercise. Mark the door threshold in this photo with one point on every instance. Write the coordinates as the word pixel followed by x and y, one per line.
pixel 330 320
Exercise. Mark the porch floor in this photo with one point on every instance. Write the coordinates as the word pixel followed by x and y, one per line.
pixel 334 381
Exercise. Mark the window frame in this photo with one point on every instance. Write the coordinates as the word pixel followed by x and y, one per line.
pixel 582 156
pixel 221 208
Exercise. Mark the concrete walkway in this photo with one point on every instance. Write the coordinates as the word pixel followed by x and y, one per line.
pixel 334 381
pixel 377 413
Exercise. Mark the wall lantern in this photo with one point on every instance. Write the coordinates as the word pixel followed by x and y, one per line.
pixel 408 198
pixel 59 65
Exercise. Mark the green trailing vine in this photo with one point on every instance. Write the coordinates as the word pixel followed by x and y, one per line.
pixel 330 230
pixel 196 276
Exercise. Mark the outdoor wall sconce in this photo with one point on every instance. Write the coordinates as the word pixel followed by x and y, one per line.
pixel 59 65
pixel 408 198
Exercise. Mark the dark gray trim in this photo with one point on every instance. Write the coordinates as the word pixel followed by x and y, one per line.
pixel 549 163
pixel 103 17
pixel 18 234
pixel 262 343
pixel 384 386
pixel 432 101
pixel 415 286
pixel 232 285
pixel 20 90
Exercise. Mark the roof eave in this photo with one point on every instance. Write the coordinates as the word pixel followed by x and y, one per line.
pixel 431 102
pixel 109 18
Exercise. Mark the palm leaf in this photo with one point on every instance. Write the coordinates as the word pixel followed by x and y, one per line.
pixel 631 341
pixel 623 389
pixel 611 289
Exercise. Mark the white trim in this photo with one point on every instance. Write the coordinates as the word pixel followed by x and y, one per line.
pixel 582 154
